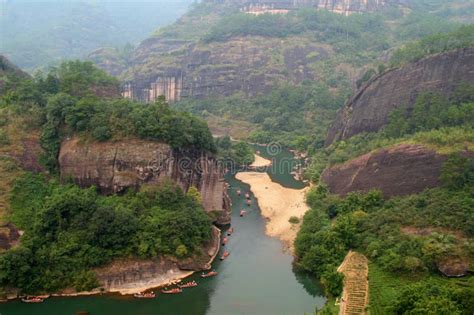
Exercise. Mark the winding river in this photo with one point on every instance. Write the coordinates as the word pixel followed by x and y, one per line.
pixel 257 277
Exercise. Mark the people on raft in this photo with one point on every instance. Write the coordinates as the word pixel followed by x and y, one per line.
pixel 189 284
pixel 224 241
pixel 209 274
pixel 230 231
pixel 242 212
pixel 32 299
pixel 143 295
pixel 172 291
pixel 247 195
pixel 225 255
pixel 248 203
pixel 238 192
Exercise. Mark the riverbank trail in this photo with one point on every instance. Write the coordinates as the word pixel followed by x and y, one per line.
pixel 355 294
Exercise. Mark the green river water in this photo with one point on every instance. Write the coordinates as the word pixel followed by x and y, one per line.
pixel 257 277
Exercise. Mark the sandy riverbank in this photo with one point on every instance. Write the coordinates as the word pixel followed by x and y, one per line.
pixel 260 162
pixel 277 204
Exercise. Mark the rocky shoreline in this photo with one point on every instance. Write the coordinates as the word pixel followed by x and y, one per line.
pixel 130 276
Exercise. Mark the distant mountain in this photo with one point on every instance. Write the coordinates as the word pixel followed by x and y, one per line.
pixel 40 33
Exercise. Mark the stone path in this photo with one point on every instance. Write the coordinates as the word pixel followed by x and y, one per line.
pixel 356 286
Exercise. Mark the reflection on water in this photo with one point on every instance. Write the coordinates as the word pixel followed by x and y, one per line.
pixel 257 277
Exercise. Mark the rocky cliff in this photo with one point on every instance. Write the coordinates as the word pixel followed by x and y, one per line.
pixel 397 171
pixel 369 108
pixel 116 166
pixel 250 65
pixel 345 7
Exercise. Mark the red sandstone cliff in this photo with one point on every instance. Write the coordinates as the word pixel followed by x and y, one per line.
pixel 116 166
pixel 400 170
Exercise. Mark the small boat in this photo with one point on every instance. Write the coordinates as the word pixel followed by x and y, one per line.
pixel 224 241
pixel 238 192
pixel 230 231
pixel 247 195
pixel 32 299
pixel 225 255
pixel 242 213
pixel 172 291
pixel 143 295
pixel 209 274
pixel 188 284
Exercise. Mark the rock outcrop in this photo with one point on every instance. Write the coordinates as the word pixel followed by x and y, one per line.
pixel 368 110
pixel 180 69
pixel 400 170
pixel 116 166
pixel 135 275
pixel 345 7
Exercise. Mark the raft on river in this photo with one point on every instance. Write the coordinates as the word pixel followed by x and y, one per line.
pixel 32 299
pixel 172 291
pixel 209 274
pixel 188 284
pixel 142 295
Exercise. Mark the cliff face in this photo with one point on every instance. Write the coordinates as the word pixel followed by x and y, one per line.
pixel 345 7
pixel 368 110
pixel 250 65
pixel 115 166
pixel 401 170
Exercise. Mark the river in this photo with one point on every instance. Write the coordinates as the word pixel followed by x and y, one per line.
pixel 257 278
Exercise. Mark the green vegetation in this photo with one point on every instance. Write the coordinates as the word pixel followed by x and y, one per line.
pixel 294 220
pixel 348 35
pixel 444 125
pixel 438 43
pixel 234 154
pixel 292 116
pixel 390 233
pixel 71 100
pixel 69 230
pixel 390 292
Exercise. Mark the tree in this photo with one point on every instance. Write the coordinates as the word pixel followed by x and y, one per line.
pixel 332 281
pixel 457 172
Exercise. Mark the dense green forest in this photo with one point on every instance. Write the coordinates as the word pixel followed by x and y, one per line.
pixel 296 117
pixel 42 33
pixel 69 230
pixel 389 231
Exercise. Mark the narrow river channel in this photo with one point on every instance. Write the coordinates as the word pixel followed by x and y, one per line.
pixel 257 277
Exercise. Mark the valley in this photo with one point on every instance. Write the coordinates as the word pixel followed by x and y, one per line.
pixel 274 156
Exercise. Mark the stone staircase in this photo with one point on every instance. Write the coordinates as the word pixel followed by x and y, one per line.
pixel 356 286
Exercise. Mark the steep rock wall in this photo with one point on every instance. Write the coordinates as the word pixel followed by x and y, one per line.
pixel 397 171
pixel 345 7
pixel 368 110
pixel 115 166
pixel 251 66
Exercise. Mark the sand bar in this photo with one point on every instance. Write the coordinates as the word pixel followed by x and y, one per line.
pixel 277 204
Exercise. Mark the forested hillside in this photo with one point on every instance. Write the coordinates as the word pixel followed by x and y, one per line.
pixel 36 34
pixel 69 230
pixel 228 66
pixel 401 194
